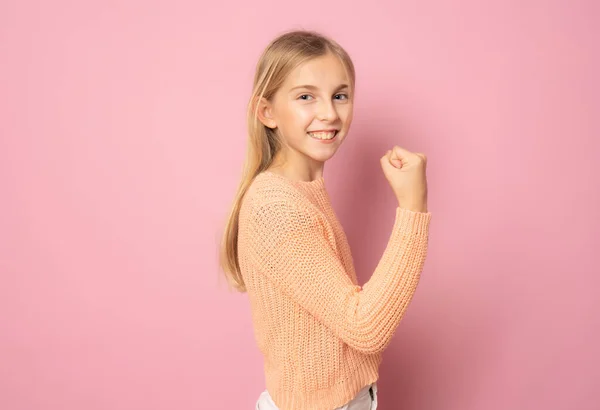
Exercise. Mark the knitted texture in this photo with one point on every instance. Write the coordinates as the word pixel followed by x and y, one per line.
pixel 321 334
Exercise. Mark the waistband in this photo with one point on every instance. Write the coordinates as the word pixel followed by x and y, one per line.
pixel 369 390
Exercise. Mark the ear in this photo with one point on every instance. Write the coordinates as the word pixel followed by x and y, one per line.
pixel 265 113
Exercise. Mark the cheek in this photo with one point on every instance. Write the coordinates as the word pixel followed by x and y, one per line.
pixel 295 119
pixel 346 113
pixel 304 114
pixel 300 117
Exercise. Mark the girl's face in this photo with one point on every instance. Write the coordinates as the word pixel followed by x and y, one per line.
pixel 312 110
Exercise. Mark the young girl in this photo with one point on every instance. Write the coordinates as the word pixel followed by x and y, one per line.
pixel 321 334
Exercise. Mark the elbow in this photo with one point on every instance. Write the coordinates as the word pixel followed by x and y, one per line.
pixel 371 342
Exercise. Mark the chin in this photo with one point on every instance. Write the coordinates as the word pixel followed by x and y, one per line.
pixel 322 156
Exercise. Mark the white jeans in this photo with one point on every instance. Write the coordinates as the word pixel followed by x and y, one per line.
pixel 362 400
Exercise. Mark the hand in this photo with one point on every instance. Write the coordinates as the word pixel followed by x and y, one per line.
pixel 406 174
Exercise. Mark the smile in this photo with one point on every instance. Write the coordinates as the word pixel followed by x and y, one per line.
pixel 323 135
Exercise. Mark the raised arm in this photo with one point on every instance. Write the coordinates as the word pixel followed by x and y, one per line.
pixel 290 247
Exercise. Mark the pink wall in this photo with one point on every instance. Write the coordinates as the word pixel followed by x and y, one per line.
pixel 122 135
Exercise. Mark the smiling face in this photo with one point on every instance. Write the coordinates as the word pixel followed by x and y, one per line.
pixel 311 111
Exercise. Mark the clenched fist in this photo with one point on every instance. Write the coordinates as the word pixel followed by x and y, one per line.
pixel 406 174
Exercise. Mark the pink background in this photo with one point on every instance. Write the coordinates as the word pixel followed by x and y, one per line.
pixel 122 136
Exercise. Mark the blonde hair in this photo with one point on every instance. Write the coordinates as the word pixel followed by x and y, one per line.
pixel 279 58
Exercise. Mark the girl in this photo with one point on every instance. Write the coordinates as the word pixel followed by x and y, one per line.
pixel 321 334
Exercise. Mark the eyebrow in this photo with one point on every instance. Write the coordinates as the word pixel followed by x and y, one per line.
pixel 314 88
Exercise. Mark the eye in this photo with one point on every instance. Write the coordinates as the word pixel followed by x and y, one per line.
pixel 304 95
pixel 342 95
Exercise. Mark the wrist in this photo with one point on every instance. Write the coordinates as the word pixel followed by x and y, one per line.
pixel 414 207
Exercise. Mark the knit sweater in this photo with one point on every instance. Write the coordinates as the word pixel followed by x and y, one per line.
pixel 321 334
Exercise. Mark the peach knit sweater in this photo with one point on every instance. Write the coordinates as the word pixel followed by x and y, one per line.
pixel 321 334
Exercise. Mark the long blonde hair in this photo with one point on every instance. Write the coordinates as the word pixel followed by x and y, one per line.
pixel 279 58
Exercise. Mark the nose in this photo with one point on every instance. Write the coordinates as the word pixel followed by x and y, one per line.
pixel 327 112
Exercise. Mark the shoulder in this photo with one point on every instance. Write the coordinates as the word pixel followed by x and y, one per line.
pixel 267 193
pixel 282 225
pixel 265 187
pixel 270 204
pixel 277 215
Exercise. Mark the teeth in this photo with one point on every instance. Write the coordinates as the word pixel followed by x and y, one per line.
pixel 323 135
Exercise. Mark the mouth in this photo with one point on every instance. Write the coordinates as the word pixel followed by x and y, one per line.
pixel 328 135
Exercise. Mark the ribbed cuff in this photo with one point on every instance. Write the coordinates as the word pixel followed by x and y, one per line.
pixel 412 221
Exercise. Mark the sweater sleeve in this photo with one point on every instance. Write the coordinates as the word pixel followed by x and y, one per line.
pixel 291 248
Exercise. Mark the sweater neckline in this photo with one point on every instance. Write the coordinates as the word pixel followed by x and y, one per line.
pixel 314 185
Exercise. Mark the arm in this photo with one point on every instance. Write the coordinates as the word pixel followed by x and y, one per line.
pixel 291 248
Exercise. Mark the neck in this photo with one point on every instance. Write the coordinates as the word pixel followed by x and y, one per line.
pixel 298 170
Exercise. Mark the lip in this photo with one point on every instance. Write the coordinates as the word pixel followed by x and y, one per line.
pixel 329 130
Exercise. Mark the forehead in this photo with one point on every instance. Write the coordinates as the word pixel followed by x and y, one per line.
pixel 324 71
